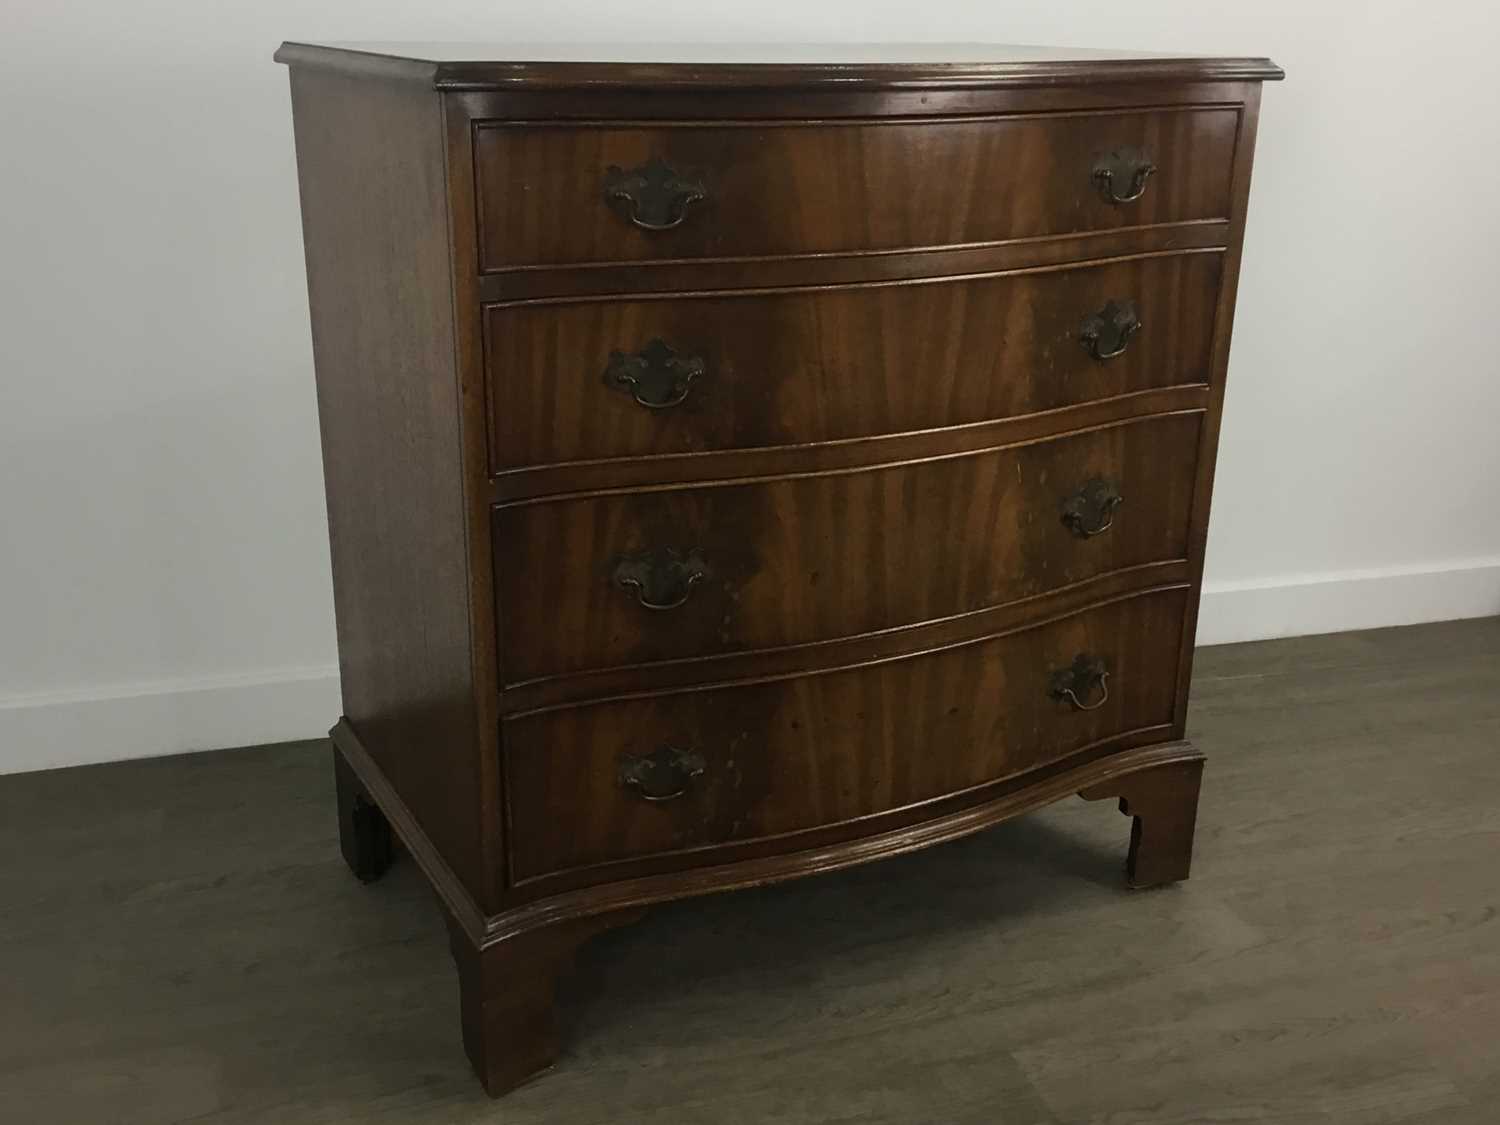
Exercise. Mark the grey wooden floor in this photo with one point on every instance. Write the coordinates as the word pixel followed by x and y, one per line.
pixel 180 942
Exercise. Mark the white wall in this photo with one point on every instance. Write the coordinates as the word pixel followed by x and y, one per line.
pixel 164 569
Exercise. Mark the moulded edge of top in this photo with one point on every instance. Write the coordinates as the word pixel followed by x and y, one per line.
pixel 479 74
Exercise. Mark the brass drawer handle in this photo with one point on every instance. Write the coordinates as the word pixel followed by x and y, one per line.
pixel 1091 510
pixel 662 775
pixel 655 197
pixel 1129 166
pixel 656 376
pixel 661 579
pixel 1106 333
pixel 1081 679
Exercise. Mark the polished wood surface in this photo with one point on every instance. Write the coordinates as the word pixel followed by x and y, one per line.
pixel 538 482
pixel 841 188
pixel 927 636
pixel 831 440
pixel 507 992
pixel 827 749
pixel 794 366
pixel 738 67
pixel 1209 439
pixel 387 403
pixel 810 558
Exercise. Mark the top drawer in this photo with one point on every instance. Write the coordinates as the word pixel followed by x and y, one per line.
pixel 587 194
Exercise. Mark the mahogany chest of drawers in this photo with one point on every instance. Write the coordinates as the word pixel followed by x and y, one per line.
pixel 742 468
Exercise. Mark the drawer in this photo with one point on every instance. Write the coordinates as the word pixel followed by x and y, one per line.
pixel 635 777
pixel 626 578
pixel 601 378
pixel 557 194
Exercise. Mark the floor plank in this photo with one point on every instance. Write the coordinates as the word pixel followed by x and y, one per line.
pixel 180 942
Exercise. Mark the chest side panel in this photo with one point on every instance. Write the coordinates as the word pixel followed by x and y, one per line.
pixel 374 210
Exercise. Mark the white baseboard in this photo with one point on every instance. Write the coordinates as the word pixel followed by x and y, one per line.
pixel 1304 605
pixel 40 732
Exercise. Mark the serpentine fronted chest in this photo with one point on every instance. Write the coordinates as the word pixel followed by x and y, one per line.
pixel 742 467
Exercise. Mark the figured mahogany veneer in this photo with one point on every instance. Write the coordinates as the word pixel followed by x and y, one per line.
pixel 793 366
pixel 739 468
pixel 796 753
pixel 816 188
pixel 816 557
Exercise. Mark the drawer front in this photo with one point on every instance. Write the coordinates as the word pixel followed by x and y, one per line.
pixel 582 380
pixel 610 781
pixel 628 578
pixel 576 194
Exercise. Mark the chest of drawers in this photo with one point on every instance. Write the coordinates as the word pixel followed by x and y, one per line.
pixel 740 468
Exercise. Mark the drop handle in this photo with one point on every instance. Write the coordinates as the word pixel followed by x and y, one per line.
pixel 1121 175
pixel 660 579
pixel 662 775
pixel 1091 510
pixel 1085 678
pixel 653 196
pixel 656 376
pixel 1106 333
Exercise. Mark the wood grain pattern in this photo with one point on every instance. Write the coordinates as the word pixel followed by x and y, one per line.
pixel 813 365
pixel 840 188
pixel 713 467
pixel 826 749
pixel 870 498
pixel 810 558
pixel 928 636
pixel 382 313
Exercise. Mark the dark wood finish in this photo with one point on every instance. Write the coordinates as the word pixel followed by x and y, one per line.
pixel 1209 438
pixel 811 558
pixel 383 330
pixel 689 278
pixel 927 636
pixel 661 877
pixel 506 993
pixel 364 834
pixel 922 506
pixel 461 902
pixel 732 465
pixel 699 67
pixel 793 754
pixel 1162 801
pixel 840 188
pixel 817 365
pixel 473 393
